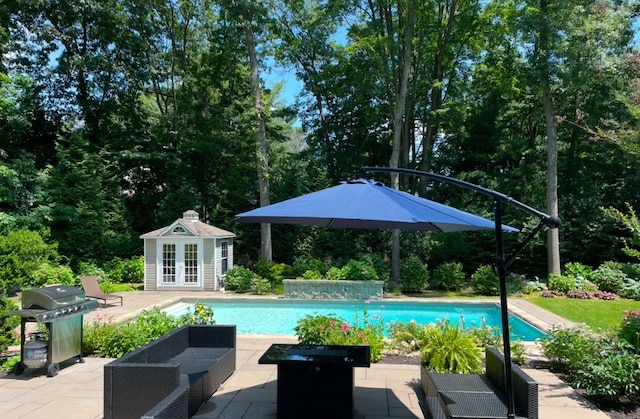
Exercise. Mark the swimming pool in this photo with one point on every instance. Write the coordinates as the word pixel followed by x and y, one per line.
pixel 279 317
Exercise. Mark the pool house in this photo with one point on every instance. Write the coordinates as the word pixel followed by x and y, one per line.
pixel 189 254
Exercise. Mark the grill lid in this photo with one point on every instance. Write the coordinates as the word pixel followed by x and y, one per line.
pixel 52 297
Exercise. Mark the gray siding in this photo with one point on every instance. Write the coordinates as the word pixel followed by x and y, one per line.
pixel 150 269
pixel 208 268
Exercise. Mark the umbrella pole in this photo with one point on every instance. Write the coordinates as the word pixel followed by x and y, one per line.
pixel 500 263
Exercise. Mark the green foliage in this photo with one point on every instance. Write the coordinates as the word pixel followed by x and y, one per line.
pixel 450 349
pixel 449 276
pixel 111 287
pixel 578 270
pixel 304 264
pixel 608 278
pixel 332 330
pixel 413 275
pixel 311 274
pixel 629 329
pixel 262 286
pixel 9 363
pixel 7 323
pixel 129 271
pixel 110 340
pixel 630 289
pixel 21 253
pixel 406 337
pixel 48 274
pixel 358 271
pixel 562 283
pixel 335 274
pixel 632 224
pixel 313 330
pixel 611 376
pixel 533 286
pixel 239 279
pixel 202 315
pixel 484 281
pixel 569 348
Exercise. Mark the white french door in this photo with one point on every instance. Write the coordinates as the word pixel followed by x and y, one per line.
pixel 179 264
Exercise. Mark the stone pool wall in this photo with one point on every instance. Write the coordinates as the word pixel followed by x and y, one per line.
pixel 322 289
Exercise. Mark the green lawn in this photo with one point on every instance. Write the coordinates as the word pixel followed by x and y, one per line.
pixel 597 314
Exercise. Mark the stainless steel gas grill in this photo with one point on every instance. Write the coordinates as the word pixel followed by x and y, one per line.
pixel 60 308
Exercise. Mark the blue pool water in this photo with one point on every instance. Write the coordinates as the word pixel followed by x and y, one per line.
pixel 279 317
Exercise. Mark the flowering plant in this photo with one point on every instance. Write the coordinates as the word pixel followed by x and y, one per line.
pixel 630 328
pixel 332 330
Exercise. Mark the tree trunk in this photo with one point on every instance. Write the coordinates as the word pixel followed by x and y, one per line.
pixel 553 238
pixel 398 114
pixel 262 154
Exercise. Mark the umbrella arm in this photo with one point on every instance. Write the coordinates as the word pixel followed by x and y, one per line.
pixel 524 244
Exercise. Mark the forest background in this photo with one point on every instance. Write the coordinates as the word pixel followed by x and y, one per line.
pixel 116 116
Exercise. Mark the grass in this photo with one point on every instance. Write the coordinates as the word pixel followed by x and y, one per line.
pixel 597 314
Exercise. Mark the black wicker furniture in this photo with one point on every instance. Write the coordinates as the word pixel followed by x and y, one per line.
pixel 172 376
pixel 479 395
pixel 316 381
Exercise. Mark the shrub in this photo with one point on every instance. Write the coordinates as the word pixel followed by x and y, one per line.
pixel 449 276
pixel 335 274
pixel 7 324
pixel 111 340
pixel 568 348
pixel 629 329
pixel 262 286
pixel 632 270
pixel 133 270
pixel 608 278
pixel 358 271
pixel 280 271
pixel 310 274
pixel 561 283
pixel 533 286
pixel 380 264
pixel 413 275
pixel 21 253
pixel 630 289
pixel 611 376
pixel 449 349
pixel 49 274
pixel 484 281
pixel 303 264
pixel 313 330
pixel 239 279
pixel 578 270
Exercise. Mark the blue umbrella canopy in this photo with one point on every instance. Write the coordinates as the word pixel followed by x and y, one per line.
pixel 368 204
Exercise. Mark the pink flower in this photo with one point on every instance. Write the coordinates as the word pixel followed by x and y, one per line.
pixel 361 335
pixel 345 327
pixel 332 323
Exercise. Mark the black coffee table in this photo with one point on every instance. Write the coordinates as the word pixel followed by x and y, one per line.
pixel 316 381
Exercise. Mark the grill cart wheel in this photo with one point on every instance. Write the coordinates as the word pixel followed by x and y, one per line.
pixel 18 368
pixel 52 369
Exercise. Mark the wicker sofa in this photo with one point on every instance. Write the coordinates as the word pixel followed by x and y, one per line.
pixel 172 376
pixel 479 395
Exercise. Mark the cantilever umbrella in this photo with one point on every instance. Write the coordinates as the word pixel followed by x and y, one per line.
pixel 367 204
pixel 371 205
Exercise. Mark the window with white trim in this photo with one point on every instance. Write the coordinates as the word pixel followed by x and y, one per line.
pixel 224 256
pixel 168 263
